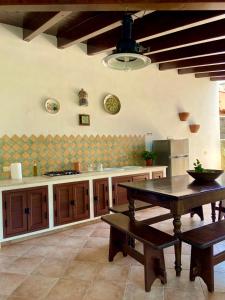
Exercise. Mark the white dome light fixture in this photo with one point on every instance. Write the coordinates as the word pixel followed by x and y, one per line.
pixel 128 54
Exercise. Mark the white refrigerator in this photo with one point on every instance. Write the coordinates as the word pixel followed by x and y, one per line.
pixel 172 153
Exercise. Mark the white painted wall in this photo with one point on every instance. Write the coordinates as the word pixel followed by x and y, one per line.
pixel 32 72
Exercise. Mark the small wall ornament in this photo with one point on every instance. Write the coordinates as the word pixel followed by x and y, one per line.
pixel 84 120
pixel 112 104
pixel 52 106
pixel 194 128
pixel 83 98
pixel 183 116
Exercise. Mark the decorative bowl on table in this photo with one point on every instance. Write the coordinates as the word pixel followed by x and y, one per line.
pixel 207 175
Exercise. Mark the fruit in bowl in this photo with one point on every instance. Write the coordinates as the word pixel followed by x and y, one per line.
pixel 204 175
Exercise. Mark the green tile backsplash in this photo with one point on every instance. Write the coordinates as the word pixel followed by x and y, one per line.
pixel 60 152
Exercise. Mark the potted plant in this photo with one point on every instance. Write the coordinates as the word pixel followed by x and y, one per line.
pixel 198 166
pixel 203 175
pixel 149 157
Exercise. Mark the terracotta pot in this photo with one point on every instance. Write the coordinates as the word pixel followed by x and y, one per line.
pixel 183 116
pixel 194 128
pixel 149 162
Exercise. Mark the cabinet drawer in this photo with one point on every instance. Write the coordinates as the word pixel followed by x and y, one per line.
pixel 157 174
pixel 141 177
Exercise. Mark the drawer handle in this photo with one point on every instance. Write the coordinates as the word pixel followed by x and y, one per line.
pixel 27 210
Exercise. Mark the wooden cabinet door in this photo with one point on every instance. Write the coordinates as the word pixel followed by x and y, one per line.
pixel 14 213
pixel 120 193
pixel 63 203
pixel 140 177
pixel 81 200
pixel 157 174
pixel 37 208
pixel 101 197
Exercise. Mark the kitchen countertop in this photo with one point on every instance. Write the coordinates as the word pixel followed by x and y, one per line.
pixel 45 180
pixel 38 181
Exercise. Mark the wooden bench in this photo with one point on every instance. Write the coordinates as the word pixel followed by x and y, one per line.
pixel 139 205
pixel 203 260
pixel 154 241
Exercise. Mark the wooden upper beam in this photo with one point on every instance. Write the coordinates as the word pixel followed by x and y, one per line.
pixel 200 61
pixel 197 35
pixel 96 25
pixel 217 78
pixel 209 74
pixel 153 25
pixel 109 5
pixel 190 51
pixel 90 28
pixel 41 23
pixel 220 67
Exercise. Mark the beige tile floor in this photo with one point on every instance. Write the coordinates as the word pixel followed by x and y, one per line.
pixel 72 265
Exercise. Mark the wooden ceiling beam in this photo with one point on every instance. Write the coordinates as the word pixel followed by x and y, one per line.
pixel 96 25
pixel 220 67
pixel 90 28
pixel 209 74
pixel 41 24
pixel 217 78
pixel 200 34
pixel 153 25
pixel 193 62
pixel 110 5
pixel 190 51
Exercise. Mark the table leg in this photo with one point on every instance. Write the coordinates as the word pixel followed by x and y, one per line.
pixel 177 247
pixel 213 207
pixel 131 207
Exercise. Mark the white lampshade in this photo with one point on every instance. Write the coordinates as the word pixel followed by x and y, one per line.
pixel 126 61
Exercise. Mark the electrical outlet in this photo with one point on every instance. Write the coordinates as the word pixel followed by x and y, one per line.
pixel 6 169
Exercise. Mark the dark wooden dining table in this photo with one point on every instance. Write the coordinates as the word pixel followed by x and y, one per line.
pixel 179 194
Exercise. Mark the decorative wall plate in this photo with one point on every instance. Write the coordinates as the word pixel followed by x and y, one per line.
pixel 52 106
pixel 112 104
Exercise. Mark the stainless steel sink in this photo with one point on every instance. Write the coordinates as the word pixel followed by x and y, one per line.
pixel 122 168
pixel 132 167
pixel 113 169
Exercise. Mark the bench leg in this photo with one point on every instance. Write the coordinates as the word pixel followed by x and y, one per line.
pixel 213 207
pixel 154 266
pixel 131 241
pixel 220 211
pixel 118 242
pixel 202 265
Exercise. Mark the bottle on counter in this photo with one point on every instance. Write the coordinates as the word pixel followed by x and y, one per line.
pixel 90 168
pixel 77 167
pixel 35 168
pixel 99 167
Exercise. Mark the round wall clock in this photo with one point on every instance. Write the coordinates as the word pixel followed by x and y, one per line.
pixel 112 104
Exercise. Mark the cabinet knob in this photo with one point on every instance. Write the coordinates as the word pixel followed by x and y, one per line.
pixel 27 210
